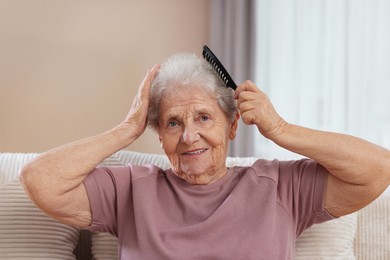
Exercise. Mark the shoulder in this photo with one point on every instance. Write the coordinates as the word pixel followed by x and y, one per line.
pixel 139 172
pixel 124 174
pixel 288 170
pixel 266 168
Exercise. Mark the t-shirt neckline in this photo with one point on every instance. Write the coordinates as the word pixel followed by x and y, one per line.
pixel 202 187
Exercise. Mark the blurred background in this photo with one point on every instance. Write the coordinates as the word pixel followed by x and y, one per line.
pixel 69 69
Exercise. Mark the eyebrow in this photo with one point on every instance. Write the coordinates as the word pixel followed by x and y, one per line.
pixel 198 111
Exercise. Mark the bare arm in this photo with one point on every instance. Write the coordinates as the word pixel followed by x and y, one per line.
pixel 359 170
pixel 54 180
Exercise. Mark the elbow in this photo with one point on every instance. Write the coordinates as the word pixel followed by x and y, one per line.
pixel 387 169
pixel 34 180
pixel 378 184
pixel 25 174
pixel 30 179
pixel 26 178
pixel 382 178
pixel 383 173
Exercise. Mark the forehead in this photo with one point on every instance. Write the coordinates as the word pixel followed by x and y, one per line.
pixel 188 99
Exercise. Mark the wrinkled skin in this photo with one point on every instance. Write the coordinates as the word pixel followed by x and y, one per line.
pixel 194 133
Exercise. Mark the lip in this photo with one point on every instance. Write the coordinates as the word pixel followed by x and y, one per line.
pixel 194 152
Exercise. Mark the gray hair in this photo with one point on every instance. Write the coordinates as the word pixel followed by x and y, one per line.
pixel 188 70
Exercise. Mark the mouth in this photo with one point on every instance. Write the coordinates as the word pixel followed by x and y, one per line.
pixel 194 152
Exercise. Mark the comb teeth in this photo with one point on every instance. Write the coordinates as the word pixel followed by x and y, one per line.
pixel 218 68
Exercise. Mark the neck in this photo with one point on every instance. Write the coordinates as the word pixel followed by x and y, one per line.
pixel 201 179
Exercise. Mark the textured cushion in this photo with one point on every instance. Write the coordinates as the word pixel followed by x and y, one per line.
pixel 104 246
pixel 329 240
pixel 127 157
pixel 11 163
pixel 27 233
pixel 372 238
pixel 373 230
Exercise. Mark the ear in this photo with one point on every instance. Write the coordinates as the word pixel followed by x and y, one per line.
pixel 233 127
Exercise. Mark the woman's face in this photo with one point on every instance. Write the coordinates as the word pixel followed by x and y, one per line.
pixel 194 133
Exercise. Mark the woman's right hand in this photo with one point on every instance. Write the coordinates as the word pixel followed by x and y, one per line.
pixel 136 119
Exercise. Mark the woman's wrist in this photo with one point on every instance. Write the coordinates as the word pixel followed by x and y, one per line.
pixel 124 135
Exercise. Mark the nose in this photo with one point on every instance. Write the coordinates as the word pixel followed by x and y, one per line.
pixel 190 135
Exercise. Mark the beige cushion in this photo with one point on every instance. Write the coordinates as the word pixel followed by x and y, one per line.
pixel 104 246
pixel 11 163
pixel 137 158
pixel 373 230
pixel 329 240
pixel 27 233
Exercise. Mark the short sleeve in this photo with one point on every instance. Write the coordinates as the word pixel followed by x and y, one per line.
pixel 301 188
pixel 102 191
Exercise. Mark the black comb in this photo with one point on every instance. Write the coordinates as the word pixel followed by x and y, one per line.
pixel 210 57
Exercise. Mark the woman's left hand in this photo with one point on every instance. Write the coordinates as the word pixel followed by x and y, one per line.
pixel 359 170
pixel 256 108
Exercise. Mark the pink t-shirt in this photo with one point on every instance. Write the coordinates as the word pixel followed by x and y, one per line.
pixel 253 212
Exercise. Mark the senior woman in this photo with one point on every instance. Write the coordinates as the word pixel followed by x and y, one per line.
pixel 199 209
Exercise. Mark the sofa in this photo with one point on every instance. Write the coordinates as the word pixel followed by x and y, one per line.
pixel 27 233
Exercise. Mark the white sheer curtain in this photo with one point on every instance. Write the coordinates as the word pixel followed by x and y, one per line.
pixel 232 26
pixel 325 64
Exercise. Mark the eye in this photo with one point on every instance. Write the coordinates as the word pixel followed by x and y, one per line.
pixel 204 117
pixel 172 123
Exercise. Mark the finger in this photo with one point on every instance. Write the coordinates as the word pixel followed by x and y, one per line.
pixel 248 117
pixel 154 71
pixel 143 91
pixel 150 75
pixel 245 86
pixel 248 96
pixel 247 106
pixel 255 99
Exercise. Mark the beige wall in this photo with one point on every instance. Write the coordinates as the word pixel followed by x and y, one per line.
pixel 69 69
